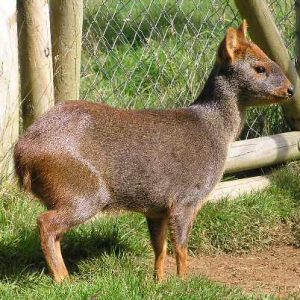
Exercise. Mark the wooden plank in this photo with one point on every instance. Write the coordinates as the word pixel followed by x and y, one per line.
pixel 236 188
pixel 35 59
pixel 9 87
pixel 265 34
pixel 263 151
pixel 66 29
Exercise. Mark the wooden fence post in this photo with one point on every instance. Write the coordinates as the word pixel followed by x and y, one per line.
pixel 35 59
pixel 264 33
pixel 66 28
pixel 9 86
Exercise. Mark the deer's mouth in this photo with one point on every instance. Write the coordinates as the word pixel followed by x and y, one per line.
pixel 271 99
pixel 284 94
pixel 283 98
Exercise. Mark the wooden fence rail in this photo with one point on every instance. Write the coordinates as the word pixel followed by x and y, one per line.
pixel 236 188
pixel 253 154
pixel 264 151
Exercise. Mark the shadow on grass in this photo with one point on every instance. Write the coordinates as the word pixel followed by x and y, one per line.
pixel 24 255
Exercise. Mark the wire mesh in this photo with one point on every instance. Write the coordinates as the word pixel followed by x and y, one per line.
pixel 158 53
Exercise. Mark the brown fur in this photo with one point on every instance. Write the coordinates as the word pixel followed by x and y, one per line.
pixel 182 261
pixel 81 158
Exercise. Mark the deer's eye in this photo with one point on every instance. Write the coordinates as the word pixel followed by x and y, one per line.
pixel 260 69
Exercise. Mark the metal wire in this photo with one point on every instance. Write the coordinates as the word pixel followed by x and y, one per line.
pixel 158 53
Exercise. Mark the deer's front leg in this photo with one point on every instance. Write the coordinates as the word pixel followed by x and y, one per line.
pixel 158 234
pixel 181 222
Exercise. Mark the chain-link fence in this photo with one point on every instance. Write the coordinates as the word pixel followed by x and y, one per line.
pixel 158 53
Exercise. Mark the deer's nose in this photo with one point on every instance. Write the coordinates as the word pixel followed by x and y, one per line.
pixel 290 91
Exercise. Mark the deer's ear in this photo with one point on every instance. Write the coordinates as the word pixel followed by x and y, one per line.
pixel 228 46
pixel 242 30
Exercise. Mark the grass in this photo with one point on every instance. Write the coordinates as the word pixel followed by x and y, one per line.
pixel 126 63
pixel 111 258
pixel 150 54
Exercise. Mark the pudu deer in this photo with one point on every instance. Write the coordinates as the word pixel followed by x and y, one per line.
pixel 81 158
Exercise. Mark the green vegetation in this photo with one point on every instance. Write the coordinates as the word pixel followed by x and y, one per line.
pixel 150 54
pixel 111 258
pixel 143 56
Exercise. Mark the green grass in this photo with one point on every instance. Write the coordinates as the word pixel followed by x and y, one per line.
pixel 149 54
pixel 111 258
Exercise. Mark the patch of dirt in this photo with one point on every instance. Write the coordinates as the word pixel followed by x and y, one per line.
pixel 274 271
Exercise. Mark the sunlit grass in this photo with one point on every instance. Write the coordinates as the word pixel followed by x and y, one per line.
pixel 111 257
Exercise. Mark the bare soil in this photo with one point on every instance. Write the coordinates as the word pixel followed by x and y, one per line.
pixel 273 271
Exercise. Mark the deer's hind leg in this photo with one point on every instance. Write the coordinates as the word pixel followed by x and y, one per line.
pixel 52 225
pixel 158 234
pixel 72 202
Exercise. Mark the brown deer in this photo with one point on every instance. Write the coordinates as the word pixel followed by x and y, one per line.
pixel 81 158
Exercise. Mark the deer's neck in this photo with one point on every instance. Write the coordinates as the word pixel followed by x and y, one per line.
pixel 219 98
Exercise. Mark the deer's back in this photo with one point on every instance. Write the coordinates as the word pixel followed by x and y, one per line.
pixel 143 158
